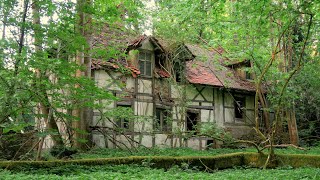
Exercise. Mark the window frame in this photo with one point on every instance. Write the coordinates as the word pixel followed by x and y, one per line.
pixel 120 122
pixel 143 72
pixel 163 120
pixel 197 120
pixel 239 100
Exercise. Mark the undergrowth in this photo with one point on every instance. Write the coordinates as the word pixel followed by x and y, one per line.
pixel 142 172
pixel 176 152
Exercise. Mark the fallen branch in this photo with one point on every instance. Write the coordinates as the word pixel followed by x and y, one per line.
pixel 285 146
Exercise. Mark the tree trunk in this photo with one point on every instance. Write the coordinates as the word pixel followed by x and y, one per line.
pixel 292 127
pixel 44 104
pixel 82 115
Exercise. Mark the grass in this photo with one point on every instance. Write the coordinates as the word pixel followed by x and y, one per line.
pixel 104 153
pixel 143 172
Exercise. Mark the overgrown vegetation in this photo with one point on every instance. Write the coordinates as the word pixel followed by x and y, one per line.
pixel 46 50
pixel 142 172
pixel 180 163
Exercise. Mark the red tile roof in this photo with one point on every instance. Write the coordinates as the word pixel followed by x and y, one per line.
pixel 162 73
pixel 198 73
pixel 206 69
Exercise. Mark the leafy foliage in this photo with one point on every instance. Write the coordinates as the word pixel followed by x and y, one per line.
pixel 39 44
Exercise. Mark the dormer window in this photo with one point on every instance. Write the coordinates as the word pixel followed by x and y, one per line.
pixel 145 63
pixel 248 75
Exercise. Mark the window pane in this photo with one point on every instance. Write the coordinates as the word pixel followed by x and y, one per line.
pixel 157 122
pixel 148 57
pixel 165 124
pixel 192 118
pixel 239 105
pixel 125 124
pixel 141 65
pixel 142 55
pixel 118 122
pixel 148 69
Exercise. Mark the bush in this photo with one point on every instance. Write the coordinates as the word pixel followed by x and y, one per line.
pixel 14 146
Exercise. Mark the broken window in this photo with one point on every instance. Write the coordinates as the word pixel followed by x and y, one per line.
pixel 178 72
pixel 122 121
pixel 239 106
pixel 248 75
pixel 210 144
pixel 162 122
pixel 145 63
pixel 192 120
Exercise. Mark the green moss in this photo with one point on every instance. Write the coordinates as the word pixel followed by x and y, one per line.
pixel 298 160
pixel 167 162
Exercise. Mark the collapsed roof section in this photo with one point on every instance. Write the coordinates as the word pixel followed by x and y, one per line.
pixel 206 66
pixel 206 69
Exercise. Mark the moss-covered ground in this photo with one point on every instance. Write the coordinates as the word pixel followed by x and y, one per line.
pixel 101 153
pixel 144 172
pixel 185 170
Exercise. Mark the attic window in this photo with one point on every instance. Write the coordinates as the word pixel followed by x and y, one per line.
pixel 239 106
pixel 145 63
pixel 178 72
pixel 248 75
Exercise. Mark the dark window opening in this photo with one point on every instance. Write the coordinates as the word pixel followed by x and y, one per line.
pixel 248 75
pixel 210 143
pixel 178 76
pixel 159 61
pixel 239 106
pixel 162 121
pixel 145 63
pixel 122 121
pixel 192 119
pixel 178 72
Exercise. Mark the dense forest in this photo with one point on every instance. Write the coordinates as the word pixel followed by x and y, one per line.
pixel 47 49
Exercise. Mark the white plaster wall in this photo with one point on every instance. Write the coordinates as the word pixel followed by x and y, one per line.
pixel 208 93
pixel 162 140
pixel 250 117
pixel 194 143
pixel 176 112
pixel 203 143
pixel 229 115
pixel 147 45
pixel 249 102
pixel 206 115
pixel 98 139
pixel 193 103
pixel 124 140
pixel 146 140
pixel 228 100
pixel 191 92
pixel 176 143
pixel 144 86
pixel 145 110
pixel 207 104
pixel 130 83
pixel 174 91
pixel 218 108
pixel 105 81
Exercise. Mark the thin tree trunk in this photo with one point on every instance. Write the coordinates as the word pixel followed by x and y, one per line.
pixel 292 127
pixel 44 101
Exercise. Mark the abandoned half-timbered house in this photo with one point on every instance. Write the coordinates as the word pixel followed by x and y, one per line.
pixel 172 90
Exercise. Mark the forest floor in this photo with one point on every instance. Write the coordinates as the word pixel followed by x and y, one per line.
pixel 144 171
